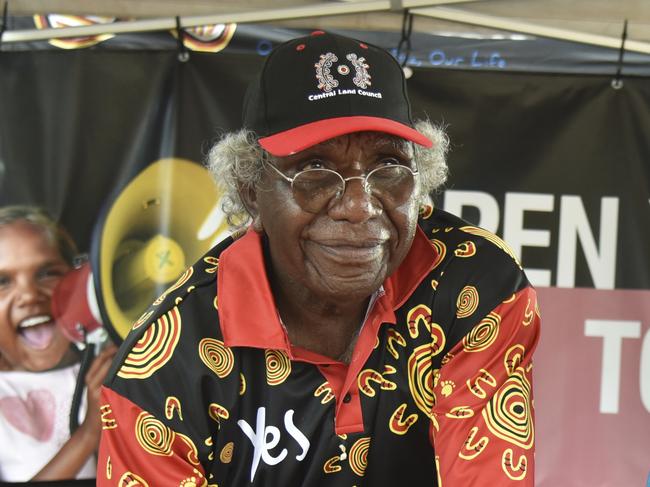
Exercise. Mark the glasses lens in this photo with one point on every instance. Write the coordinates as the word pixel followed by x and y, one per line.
pixel 313 188
pixel 393 185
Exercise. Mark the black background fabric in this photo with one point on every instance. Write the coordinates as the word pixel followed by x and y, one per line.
pixel 77 125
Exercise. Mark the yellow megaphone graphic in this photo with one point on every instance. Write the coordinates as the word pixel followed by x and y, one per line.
pixel 159 224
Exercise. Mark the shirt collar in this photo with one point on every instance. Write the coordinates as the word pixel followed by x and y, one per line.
pixel 247 310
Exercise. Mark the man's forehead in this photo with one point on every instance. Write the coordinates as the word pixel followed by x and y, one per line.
pixel 379 139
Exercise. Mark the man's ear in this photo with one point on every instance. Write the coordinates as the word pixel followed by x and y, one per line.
pixel 248 196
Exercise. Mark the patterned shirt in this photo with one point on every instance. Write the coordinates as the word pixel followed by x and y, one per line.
pixel 207 390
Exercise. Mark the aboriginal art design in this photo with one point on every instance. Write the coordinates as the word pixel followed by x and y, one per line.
pixel 422 314
pixel 369 375
pixel 460 412
pixel 508 414
pixel 278 367
pixel 529 314
pixel 218 412
pixel 419 314
pixel 192 453
pixel 425 211
pixel 465 249
pixel 180 282
pixel 399 422
pixel 420 373
pixel 212 261
pixel 154 349
pixel 358 456
pixel 195 480
pixel 441 251
pixel 173 405
pixel 153 436
pixel 480 383
pixel 324 390
pixel 331 465
pixel 447 387
pixel 143 319
pixel 226 452
pixel 514 471
pixel 242 384
pixel 394 337
pixel 361 75
pixel 216 356
pixel 467 302
pixel 490 237
pixel 108 422
pixel 473 446
pixel 129 479
pixel 513 357
pixel 483 335
pixel 326 81
pixel 207 38
pixel 109 468
pixel 389 369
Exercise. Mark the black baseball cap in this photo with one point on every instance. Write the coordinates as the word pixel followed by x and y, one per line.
pixel 317 87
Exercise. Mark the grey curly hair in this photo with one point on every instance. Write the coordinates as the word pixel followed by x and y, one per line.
pixel 236 163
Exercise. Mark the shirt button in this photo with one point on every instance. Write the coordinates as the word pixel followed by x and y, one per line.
pixel 347 398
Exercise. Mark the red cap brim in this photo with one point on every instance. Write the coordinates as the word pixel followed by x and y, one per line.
pixel 300 138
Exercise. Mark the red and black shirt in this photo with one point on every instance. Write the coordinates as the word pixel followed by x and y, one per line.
pixel 208 391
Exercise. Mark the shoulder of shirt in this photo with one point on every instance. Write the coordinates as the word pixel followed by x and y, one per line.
pixel 456 234
pixel 199 278
pixel 476 267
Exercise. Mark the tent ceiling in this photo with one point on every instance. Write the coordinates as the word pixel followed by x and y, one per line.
pixel 587 19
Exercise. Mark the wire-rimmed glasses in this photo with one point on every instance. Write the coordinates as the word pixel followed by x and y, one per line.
pixel 312 189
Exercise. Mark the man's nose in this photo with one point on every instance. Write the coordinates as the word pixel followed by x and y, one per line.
pixel 356 204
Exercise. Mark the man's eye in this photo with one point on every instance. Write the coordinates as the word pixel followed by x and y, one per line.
pixel 391 161
pixel 4 281
pixel 312 164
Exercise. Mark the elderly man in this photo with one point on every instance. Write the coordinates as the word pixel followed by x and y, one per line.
pixel 339 341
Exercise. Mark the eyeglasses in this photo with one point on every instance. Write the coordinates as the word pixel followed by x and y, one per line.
pixel 312 189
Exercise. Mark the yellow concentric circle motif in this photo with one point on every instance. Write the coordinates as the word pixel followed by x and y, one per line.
pixel 226 452
pixel 153 436
pixel 467 302
pixel 358 456
pixel 508 414
pixel 278 367
pixel 154 349
pixel 483 334
pixel 216 356
pixel 420 373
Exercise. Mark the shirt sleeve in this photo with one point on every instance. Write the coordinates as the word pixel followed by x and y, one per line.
pixel 140 450
pixel 483 418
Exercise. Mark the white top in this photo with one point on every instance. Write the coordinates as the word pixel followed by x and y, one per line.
pixel 34 421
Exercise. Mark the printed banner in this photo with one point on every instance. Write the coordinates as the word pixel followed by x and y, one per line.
pixel 556 163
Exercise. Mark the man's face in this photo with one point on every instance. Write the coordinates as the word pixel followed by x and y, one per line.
pixel 30 268
pixel 348 248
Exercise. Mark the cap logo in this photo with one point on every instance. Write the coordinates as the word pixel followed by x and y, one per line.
pixel 327 82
